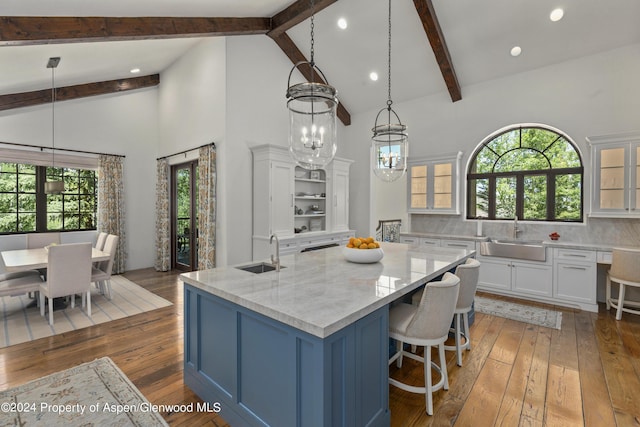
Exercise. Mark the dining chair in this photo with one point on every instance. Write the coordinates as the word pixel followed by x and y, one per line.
pixel 20 285
pixel 68 274
pixel 426 325
pixel 40 240
pixel 625 271
pixel 102 238
pixel 101 275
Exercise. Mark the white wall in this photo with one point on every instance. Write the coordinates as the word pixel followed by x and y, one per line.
pixel 116 124
pixel 589 96
pixel 257 72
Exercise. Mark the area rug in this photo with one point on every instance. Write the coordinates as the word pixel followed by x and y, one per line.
pixel 20 319
pixel 522 313
pixel 92 394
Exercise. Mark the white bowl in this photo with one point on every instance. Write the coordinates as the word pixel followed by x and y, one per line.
pixel 362 256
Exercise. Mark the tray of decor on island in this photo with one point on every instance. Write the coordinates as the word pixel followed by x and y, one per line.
pixel 363 250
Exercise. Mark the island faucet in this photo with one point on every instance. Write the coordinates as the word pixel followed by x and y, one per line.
pixel 516 230
pixel 275 260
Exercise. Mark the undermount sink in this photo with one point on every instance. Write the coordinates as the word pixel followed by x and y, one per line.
pixel 532 250
pixel 261 267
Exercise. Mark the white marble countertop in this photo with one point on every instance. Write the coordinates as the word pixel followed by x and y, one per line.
pixel 320 292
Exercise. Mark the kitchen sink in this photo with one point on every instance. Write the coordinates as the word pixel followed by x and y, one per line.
pixel 261 267
pixel 531 250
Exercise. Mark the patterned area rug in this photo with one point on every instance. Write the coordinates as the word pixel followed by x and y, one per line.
pixel 519 312
pixel 94 393
pixel 20 319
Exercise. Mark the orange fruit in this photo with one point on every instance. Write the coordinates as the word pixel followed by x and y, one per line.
pixel 351 239
pixel 356 242
pixel 349 245
pixel 363 246
pixel 369 239
pixel 377 244
pixel 371 245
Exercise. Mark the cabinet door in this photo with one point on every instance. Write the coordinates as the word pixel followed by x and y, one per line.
pixel 532 279
pixel 281 198
pixel 575 281
pixel 340 200
pixel 458 244
pixel 432 184
pixel 494 274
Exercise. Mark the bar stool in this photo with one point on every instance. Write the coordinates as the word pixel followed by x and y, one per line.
pixel 468 274
pixel 625 271
pixel 426 324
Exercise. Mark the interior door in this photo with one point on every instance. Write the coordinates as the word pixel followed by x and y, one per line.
pixel 184 216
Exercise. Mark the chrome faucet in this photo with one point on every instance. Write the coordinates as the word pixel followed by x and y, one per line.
pixel 275 260
pixel 516 230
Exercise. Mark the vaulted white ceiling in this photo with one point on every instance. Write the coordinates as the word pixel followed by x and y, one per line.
pixel 479 35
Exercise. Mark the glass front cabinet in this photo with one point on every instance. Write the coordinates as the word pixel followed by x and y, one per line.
pixel 433 184
pixel 615 174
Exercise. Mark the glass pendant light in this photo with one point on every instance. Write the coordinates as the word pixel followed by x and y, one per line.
pixel 390 145
pixel 53 187
pixel 312 116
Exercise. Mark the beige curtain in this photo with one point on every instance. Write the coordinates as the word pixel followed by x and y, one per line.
pixel 163 226
pixel 207 207
pixel 111 210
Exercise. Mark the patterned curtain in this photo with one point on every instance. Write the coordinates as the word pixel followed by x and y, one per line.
pixel 111 212
pixel 163 228
pixel 207 207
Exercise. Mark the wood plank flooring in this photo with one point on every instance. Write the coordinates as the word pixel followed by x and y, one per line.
pixel 516 374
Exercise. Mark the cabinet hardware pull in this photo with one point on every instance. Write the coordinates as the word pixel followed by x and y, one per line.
pixel 575 268
pixel 576 255
pixel 456 245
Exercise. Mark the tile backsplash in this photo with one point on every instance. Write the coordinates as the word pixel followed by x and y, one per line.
pixel 614 231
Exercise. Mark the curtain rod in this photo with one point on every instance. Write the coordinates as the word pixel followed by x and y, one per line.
pixel 41 147
pixel 186 151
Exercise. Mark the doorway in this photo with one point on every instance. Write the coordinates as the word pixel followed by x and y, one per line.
pixel 184 216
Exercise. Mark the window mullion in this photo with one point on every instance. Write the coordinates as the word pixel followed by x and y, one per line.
pixel 41 199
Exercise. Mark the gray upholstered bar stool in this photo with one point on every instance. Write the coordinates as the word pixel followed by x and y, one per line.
pixel 625 271
pixel 427 325
pixel 468 274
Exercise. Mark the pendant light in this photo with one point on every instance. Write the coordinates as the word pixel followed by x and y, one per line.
pixel 390 144
pixel 53 187
pixel 312 116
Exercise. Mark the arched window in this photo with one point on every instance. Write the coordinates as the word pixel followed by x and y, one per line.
pixel 530 171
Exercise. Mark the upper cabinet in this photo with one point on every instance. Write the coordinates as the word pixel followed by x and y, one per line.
pixel 615 175
pixel 433 184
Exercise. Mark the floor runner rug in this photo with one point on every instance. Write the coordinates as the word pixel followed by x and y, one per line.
pixel 92 394
pixel 20 319
pixel 520 312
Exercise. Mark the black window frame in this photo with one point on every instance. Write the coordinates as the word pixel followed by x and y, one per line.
pixel 519 175
pixel 41 212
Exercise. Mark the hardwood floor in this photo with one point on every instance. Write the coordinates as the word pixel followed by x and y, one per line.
pixel 587 373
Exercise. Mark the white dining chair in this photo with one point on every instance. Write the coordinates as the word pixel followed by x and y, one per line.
pixel 20 285
pixel 101 275
pixel 625 271
pixel 40 240
pixel 427 325
pixel 100 241
pixel 68 274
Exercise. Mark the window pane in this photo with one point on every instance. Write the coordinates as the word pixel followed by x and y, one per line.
pixel 23 168
pixel 8 222
pixel 27 222
pixel 522 160
pixel 568 197
pixel 27 202
pixel 505 198
pixel 71 221
pixel 538 139
pixel 26 183
pixel 505 142
pixel 484 161
pixel 54 221
pixel 479 198
pixel 8 167
pixel 8 182
pixel 8 203
pixel 563 155
pixel 535 197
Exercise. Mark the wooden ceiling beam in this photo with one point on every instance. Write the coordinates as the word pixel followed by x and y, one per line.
pixel 66 93
pixel 434 33
pixel 295 14
pixel 295 55
pixel 30 30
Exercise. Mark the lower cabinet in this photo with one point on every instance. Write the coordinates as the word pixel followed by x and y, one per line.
pixel 502 274
pixel 575 275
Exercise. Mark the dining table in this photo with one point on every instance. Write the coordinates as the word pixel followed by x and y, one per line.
pixel 33 259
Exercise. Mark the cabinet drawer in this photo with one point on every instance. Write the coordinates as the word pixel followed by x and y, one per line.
pixel 458 244
pixel 427 242
pixel 604 257
pixel 410 240
pixel 575 255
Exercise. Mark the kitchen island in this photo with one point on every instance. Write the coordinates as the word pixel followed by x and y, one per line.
pixel 307 345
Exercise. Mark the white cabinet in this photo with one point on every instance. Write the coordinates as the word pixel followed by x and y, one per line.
pixel 520 277
pixel 575 275
pixel 433 184
pixel 425 242
pixel 615 190
pixel 287 198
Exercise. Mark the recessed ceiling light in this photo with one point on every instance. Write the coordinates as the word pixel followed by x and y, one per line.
pixel 516 51
pixel 342 23
pixel 135 70
pixel 556 14
pixel 373 76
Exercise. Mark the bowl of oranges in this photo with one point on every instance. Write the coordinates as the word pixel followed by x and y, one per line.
pixel 363 250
